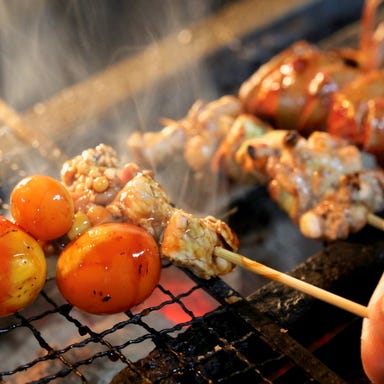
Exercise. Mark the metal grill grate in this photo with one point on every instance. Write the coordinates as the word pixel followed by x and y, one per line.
pixel 231 342
pixel 69 340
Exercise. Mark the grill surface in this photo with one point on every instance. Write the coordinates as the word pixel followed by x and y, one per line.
pixel 196 331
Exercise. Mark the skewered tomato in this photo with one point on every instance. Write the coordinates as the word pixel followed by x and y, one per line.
pixel 23 268
pixel 42 206
pixel 109 268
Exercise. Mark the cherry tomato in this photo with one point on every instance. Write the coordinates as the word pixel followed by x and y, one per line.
pixel 23 268
pixel 42 206
pixel 109 268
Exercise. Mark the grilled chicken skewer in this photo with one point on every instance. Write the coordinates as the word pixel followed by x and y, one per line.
pixel 320 182
pixel 104 190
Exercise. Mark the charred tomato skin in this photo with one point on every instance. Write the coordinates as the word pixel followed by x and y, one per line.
pixel 23 268
pixel 110 268
pixel 42 206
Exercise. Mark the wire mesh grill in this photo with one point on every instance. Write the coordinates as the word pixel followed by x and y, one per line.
pixel 52 340
pixel 109 343
pixel 199 332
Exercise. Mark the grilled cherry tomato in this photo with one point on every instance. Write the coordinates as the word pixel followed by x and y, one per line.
pixel 109 268
pixel 23 268
pixel 42 206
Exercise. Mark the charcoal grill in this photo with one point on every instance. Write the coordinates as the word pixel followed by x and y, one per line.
pixel 191 330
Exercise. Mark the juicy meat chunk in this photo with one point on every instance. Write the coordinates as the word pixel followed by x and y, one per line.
pixel 347 209
pixel 143 202
pixel 92 177
pixel 228 157
pixel 152 149
pixel 307 171
pixel 189 241
pixel 320 182
pixel 193 138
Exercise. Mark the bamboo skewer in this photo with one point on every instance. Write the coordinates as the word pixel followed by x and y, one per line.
pixel 376 221
pixel 292 282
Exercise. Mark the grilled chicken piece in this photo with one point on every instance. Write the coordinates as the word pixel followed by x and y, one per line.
pixel 142 201
pixel 225 158
pixel 254 154
pixel 150 149
pixel 345 210
pixel 189 241
pixel 306 171
pixel 132 195
pixel 194 138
